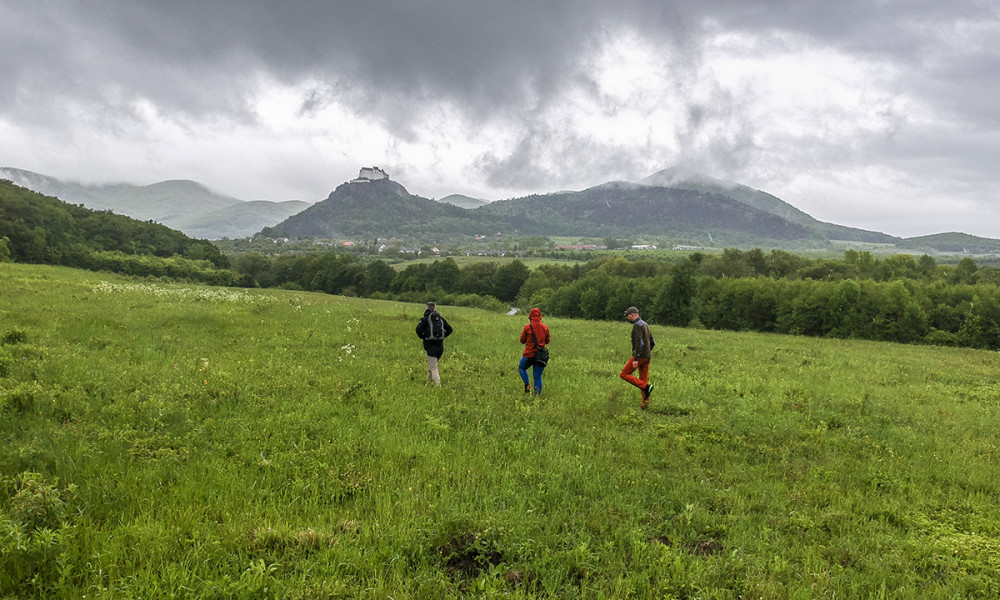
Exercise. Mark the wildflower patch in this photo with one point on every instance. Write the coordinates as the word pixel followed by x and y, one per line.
pixel 185 294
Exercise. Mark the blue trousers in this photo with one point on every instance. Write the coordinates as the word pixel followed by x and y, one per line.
pixel 536 373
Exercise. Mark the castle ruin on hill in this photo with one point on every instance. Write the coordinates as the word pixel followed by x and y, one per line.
pixel 369 174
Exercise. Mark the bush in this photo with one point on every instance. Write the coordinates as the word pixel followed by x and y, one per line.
pixel 936 337
pixel 475 301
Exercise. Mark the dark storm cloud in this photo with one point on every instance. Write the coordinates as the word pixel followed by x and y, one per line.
pixel 186 55
pixel 195 63
pixel 200 57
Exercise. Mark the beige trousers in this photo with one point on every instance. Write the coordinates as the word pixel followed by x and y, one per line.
pixel 432 371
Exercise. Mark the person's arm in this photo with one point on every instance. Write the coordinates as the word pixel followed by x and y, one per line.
pixel 524 334
pixel 447 327
pixel 422 328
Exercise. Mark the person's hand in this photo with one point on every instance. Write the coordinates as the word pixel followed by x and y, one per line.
pixel 635 364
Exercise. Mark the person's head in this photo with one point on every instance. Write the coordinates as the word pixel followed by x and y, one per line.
pixel 631 313
pixel 534 313
pixel 431 306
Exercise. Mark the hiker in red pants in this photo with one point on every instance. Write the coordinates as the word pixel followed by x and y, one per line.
pixel 642 345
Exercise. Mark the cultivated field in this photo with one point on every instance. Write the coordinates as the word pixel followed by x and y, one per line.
pixel 464 261
pixel 164 440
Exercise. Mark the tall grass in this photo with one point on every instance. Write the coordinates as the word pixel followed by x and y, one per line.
pixel 179 441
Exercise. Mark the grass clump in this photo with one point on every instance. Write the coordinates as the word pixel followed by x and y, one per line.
pixel 14 336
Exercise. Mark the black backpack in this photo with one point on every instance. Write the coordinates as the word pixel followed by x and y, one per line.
pixel 435 327
pixel 541 352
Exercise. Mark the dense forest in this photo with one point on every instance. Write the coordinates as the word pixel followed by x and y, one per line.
pixel 900 298
pixel 40 229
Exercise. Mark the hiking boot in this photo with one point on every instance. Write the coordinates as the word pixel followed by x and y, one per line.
pixel 527 389
pixel 646 391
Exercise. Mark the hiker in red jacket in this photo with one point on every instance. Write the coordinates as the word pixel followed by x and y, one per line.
pixel 534 335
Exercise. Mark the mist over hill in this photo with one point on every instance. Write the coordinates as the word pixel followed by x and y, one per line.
pixel 238 220
pixel 682 206
pixel 669 204
pixel 381 208
pixel 185 205
pixel 463 201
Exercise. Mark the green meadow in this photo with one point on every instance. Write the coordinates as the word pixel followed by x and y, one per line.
pixel 175 441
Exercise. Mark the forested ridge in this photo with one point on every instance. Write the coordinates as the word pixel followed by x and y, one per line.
pixel 35 228
pixel 384 208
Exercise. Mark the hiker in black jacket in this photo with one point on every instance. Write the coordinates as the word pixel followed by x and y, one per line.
pixel 432 329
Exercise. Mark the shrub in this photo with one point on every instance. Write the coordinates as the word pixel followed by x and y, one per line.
pixel 37 505
pixel 936 337
pixel 21 399
pixel 14 336
pixel 33 539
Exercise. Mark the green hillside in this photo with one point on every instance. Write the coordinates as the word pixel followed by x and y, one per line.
pixel 384 209
pixel 239 220
pixel 166 202
pixel 704 213
pixel 952 242
pixel 42 229
pixel 679 179
pixel 381 208
pixel 184 205
pixel 166 440
pixel 628 209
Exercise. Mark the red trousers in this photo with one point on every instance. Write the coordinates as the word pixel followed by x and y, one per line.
pixel 642 364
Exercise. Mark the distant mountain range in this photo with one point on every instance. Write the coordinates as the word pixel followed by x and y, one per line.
pixel 682 207
pixel 184 205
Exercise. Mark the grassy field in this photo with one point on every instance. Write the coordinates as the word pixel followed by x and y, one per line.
pixel 170 441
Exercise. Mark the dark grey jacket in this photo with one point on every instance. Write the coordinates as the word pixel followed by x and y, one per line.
pixel 642 339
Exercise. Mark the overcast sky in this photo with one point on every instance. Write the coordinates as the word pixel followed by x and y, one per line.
pixel 874 114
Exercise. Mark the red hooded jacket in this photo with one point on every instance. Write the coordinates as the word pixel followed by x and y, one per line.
pixel 541 333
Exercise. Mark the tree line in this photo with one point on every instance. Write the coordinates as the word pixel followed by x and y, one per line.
pixel 900 298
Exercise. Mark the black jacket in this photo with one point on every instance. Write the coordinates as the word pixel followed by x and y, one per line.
pixel 433 348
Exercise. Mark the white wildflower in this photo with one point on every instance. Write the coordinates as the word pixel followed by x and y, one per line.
pixel 187 294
